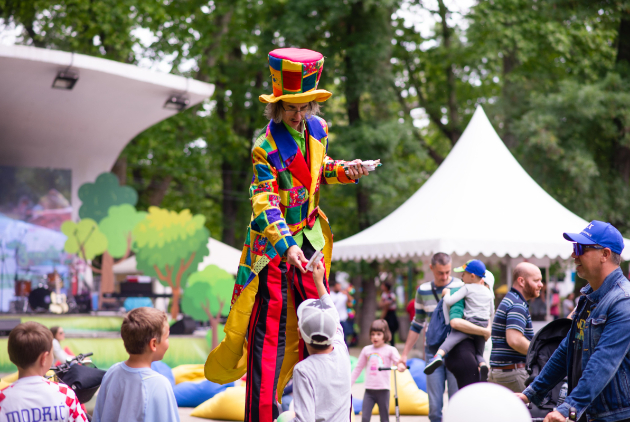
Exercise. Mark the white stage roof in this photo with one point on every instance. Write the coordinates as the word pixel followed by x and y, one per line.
pixel 86 128
pixel 480 201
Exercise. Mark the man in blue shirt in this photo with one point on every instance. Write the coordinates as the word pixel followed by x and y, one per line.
pixel 512 329
pixel 595 355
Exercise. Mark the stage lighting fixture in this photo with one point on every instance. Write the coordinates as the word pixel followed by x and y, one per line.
pixel 176 102
pixel 65 80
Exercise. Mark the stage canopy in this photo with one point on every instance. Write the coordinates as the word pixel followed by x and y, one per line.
pixel 222 255
pixel 479 202
pixel 83 129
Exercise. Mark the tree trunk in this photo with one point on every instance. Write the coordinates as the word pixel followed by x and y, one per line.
pixel 107 276
pixel 157 190
pixel 120 169
pixel 363 207
pixel 229 205
pixel 214 326
pixel 368 310
pixel 175 302
pixel 509 97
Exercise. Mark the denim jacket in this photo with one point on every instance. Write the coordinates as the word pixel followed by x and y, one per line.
pixel 603 391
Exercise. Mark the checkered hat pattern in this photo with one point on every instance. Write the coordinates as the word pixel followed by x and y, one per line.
pixel 295 73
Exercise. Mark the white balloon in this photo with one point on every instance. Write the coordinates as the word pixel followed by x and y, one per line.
pixel 486 402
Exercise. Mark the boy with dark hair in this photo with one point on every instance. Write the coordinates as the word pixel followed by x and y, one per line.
pixel 131 391
pixel 321 382
pixel 32 397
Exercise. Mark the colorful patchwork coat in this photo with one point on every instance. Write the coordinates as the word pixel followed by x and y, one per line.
pixel 285 199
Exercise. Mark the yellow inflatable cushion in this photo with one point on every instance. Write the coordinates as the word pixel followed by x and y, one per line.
pixel 228 405
pixel 411 400
pixel 3 385
pixel 10 379
pixel 192 373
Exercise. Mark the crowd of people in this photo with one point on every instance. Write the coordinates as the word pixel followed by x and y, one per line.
pixel 593 357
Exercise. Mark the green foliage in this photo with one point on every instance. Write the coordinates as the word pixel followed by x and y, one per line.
pixel 118 227
pixel 207 288
pixel 170 245
pixel 84 238
pixel 97 197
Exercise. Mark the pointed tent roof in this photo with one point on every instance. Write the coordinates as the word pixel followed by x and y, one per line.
pixel 480 201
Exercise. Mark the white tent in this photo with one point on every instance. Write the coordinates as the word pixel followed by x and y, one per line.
pixel 479 202
pixel 222 255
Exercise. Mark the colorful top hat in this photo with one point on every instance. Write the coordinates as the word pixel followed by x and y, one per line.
pixel 295 74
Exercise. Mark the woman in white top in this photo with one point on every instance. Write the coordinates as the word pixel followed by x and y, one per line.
pixel 59 353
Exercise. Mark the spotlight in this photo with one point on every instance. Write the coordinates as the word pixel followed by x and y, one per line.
pixel 176 102
pixel 65 79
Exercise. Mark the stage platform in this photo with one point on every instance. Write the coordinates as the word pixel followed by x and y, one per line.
pixel 100 334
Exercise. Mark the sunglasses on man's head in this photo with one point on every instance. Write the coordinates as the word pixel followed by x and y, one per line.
pixel 579 249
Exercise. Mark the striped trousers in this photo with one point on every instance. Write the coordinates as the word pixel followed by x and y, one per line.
pixel 267 333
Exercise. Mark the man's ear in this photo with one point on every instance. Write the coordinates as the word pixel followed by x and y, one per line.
pixel 605 255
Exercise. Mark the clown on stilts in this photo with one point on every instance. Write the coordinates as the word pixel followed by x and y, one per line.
pixel 287 227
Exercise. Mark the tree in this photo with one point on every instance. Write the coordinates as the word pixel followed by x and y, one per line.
pixel 205 297
pixel 169 246
pixel 118 228
pixel 84 239
pixel 97 197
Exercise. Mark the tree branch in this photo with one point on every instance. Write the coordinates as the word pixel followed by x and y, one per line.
pixel 433 115
pixel 162 277
pixel 432 153
pixel 126 255
pixel 183 267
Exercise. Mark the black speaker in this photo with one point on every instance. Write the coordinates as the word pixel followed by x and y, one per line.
pixel 6 325
pixel 185 325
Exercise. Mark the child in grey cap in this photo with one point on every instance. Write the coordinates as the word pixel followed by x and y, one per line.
pixel 321 382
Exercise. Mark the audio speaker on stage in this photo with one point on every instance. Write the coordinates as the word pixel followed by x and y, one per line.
pixel 6 325
pixel 185 325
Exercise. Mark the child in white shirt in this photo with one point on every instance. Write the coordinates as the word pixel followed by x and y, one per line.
pixel 32 397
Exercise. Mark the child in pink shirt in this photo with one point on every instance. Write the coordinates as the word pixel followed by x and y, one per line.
pixel 379 354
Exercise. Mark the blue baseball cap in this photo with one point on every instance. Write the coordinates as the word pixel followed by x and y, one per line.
pixel 598 233
pixel 474 266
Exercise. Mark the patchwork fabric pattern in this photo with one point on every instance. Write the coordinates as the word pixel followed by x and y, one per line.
pixel 280 193
pixel 295 77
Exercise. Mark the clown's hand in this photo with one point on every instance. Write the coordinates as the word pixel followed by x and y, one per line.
pixel 296 257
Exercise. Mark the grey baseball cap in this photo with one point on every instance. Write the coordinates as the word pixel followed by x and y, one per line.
pixel 317 318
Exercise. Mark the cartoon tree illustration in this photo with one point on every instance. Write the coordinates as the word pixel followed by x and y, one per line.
pixel 97 197
pixel 170 246
pixel 85 239
pixel 118 228
pixel 205 297
pixel 111 207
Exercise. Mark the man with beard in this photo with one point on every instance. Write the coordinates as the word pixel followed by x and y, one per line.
pixel 595 354
pixel 512 329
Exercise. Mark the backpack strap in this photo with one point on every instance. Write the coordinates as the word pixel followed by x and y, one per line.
pixel 434 290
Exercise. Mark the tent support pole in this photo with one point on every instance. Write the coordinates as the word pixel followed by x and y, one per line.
pixel 410 285
pixel 549 295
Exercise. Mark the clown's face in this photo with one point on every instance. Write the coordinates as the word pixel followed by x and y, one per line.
pixel 294 113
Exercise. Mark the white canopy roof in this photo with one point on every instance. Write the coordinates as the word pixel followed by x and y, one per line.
pixel 480 201
pixel 222 255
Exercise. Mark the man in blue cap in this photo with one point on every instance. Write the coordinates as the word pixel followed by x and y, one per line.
pixel 478 309
pixel 595 355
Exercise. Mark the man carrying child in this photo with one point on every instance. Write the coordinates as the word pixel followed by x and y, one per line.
pixel 478 309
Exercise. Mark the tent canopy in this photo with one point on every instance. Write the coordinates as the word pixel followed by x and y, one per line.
pixel 222 255
pixel 480 201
